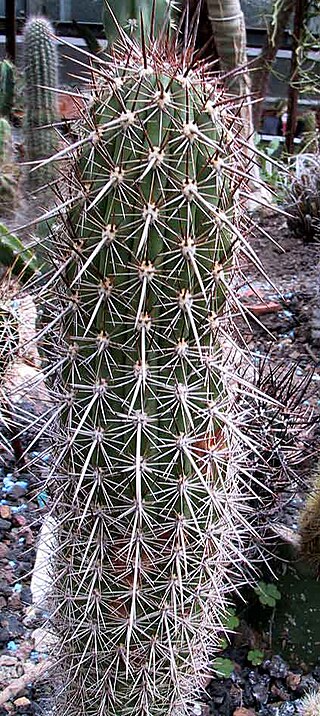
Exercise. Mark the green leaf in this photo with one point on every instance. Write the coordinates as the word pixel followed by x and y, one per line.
pixel 255 656
pixel 13 254
pixel 223 667
pixel 223 643
pixel 268 594
pixel 232 621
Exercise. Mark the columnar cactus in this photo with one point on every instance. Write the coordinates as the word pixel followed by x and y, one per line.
pixel 8 169
pixel 309 526
pixel 149 481
pixel 40 72
pixel 7 81
pixel 6 142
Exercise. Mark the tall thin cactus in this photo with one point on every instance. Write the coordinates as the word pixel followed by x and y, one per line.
pixel 41 81
pixel 150 484
pixel 8 170
pixel 7 82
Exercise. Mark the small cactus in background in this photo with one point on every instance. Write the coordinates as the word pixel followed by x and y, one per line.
pixel 8 170
pixel 7 83
pixel 41 108
pixel 6 142
pixel 302 200
pixel 310 135
pixel 150 477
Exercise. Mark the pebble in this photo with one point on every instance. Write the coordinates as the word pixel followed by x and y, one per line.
pixel 4 550
pixel 22 701
pixel 4 635
pixel 5 512
pixel 26 596
pixel 12 646
pixel 14 601
pixel 19 520
pixel 293 680
pixel 242 711
pixel 6 660
pixel 12 624
pixel 17 491
pixel 276 667
pixel 5 525
pixel 261 689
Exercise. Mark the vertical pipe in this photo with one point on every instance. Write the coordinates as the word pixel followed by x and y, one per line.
pixel 10 11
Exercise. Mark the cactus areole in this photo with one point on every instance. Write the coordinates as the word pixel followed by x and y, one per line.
pixel 147 479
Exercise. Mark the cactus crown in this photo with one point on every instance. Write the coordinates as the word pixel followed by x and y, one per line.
pixel 149 473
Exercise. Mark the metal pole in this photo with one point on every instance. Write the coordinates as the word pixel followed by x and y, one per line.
pixel 10 11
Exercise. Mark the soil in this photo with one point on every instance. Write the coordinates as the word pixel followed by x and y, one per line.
pixel 287 330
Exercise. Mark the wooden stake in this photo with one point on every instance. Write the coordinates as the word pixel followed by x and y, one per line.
pixel 10 10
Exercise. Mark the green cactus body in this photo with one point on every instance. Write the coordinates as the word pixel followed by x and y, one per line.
pixel 309 525
pixel 8 170
pixel 40 58
pixel 128 15
pixel 147 478
pixel 7 82
pixel 6 143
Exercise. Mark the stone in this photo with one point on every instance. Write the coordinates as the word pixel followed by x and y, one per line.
pixel 5 512
pixel 276 667
pixel 11 624
pixel 18 491
pixel 22 701
pixel 4 550
pixel 242 711
pixel 5 525
pixel 25 595
pixel 5 589
pixel 279 691
pixel 14 601
pixel 260 690
pixel 7 660
pixel 19 520
pixel 293 680
pixel 4 635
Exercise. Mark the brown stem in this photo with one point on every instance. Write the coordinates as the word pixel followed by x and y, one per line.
pixel 293 92
pixel 263 63
pixel 10 11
